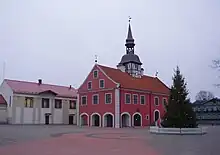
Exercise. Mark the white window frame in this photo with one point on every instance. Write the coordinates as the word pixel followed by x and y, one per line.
pixel 111 98
pixel 155 100
pixel 97 73
pixel 144 99
pixel 97 99
pixel 82 100
pixel 130 98
pixel 88 85
pixel 103 83
pixel 133 98
pixel 164 98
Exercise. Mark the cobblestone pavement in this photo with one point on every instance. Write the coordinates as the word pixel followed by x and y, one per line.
pixel 71 140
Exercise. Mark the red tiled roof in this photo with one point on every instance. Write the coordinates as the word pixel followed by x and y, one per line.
pixel 2 100
pixel 25 87
pixel 147 83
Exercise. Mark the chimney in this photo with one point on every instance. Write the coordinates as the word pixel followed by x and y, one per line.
pixel 70 87
pixel 39 81
pixel 142 71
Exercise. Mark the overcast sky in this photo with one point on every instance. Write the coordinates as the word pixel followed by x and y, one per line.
pixel 57 40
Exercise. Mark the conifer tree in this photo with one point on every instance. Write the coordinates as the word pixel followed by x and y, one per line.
pixel 179 113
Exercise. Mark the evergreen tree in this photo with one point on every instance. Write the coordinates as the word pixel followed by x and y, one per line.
pixel 179 113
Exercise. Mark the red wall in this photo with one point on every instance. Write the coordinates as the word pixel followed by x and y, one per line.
pixel 147 109
pixel 100 108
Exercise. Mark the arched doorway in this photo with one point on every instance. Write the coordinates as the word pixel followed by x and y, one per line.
pixel 84 119
pixel 108 120
pixel 137 119
pixel 125 120
pixel 95 119
pixel 156 115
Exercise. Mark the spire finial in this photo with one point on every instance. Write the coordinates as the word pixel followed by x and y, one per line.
pixel 96 58
pixel 156 74
pixel 129 19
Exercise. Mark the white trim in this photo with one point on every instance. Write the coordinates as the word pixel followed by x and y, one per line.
pixel 103 83
pixel 133 98
pixel 111 98
pixel 158 100
pixel 100 119
pixel 88 85
pixel 145 91
pixel 100 90
pixel 91 71
pixel 144 99
pixel 95 70
pixel 154 114
pixel 97 99
pixel 133 118
pixel 81 100
pixel 106 74
pixel 164 98
pixel 126 113
pixel 113 119
pixel 80 118
pixel 125 98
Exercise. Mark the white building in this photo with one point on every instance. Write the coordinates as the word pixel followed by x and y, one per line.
pixel 39 103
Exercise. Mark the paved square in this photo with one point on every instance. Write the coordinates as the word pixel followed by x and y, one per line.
pixel 71 140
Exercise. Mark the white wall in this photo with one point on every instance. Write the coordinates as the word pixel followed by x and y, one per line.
pixel 18 115
pixel 28 116
pixel 3 115
pixel 43 111
pixel 7 92
pixel 58 116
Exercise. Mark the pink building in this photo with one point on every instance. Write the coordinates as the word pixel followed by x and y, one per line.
pixel 122 96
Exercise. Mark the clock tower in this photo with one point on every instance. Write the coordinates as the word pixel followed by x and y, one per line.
pixel 130 62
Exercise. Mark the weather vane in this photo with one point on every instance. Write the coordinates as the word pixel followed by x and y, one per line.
pixel 156 73
pixel 129 19
pixel 96 58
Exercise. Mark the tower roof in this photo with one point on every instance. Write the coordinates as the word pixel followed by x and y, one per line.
pixel 130 39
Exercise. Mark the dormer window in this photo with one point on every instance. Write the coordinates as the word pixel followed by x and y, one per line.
pixel 89 85
pixel 95 74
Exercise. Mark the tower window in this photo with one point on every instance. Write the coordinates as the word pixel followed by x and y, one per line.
pixel 95 74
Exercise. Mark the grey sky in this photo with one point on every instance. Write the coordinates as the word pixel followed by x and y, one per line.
pixel 56 40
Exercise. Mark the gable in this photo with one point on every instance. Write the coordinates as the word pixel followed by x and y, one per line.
pixel 108 82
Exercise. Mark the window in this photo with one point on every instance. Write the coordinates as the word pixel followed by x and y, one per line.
pixel 95 74
pixel 127 98
pixel 164 101
pixel 84 100
pixel 108 98
pixel 89 85
pixel 45 103
pixel 72 104
pixel 58 104
pixel 135 99
pixel 147 117
pixel 156 101
pixel 101 83
pixel 142 99
pixel 29 102
pixel 95 99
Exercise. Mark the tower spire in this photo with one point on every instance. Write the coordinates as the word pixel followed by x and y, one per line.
pixel 130 40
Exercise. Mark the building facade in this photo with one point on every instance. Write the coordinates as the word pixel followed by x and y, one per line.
pixel 39 103
pixel 3 110
pixel 207 112
pixel 122 96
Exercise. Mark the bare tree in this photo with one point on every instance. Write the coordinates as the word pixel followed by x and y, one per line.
pixel 204 95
